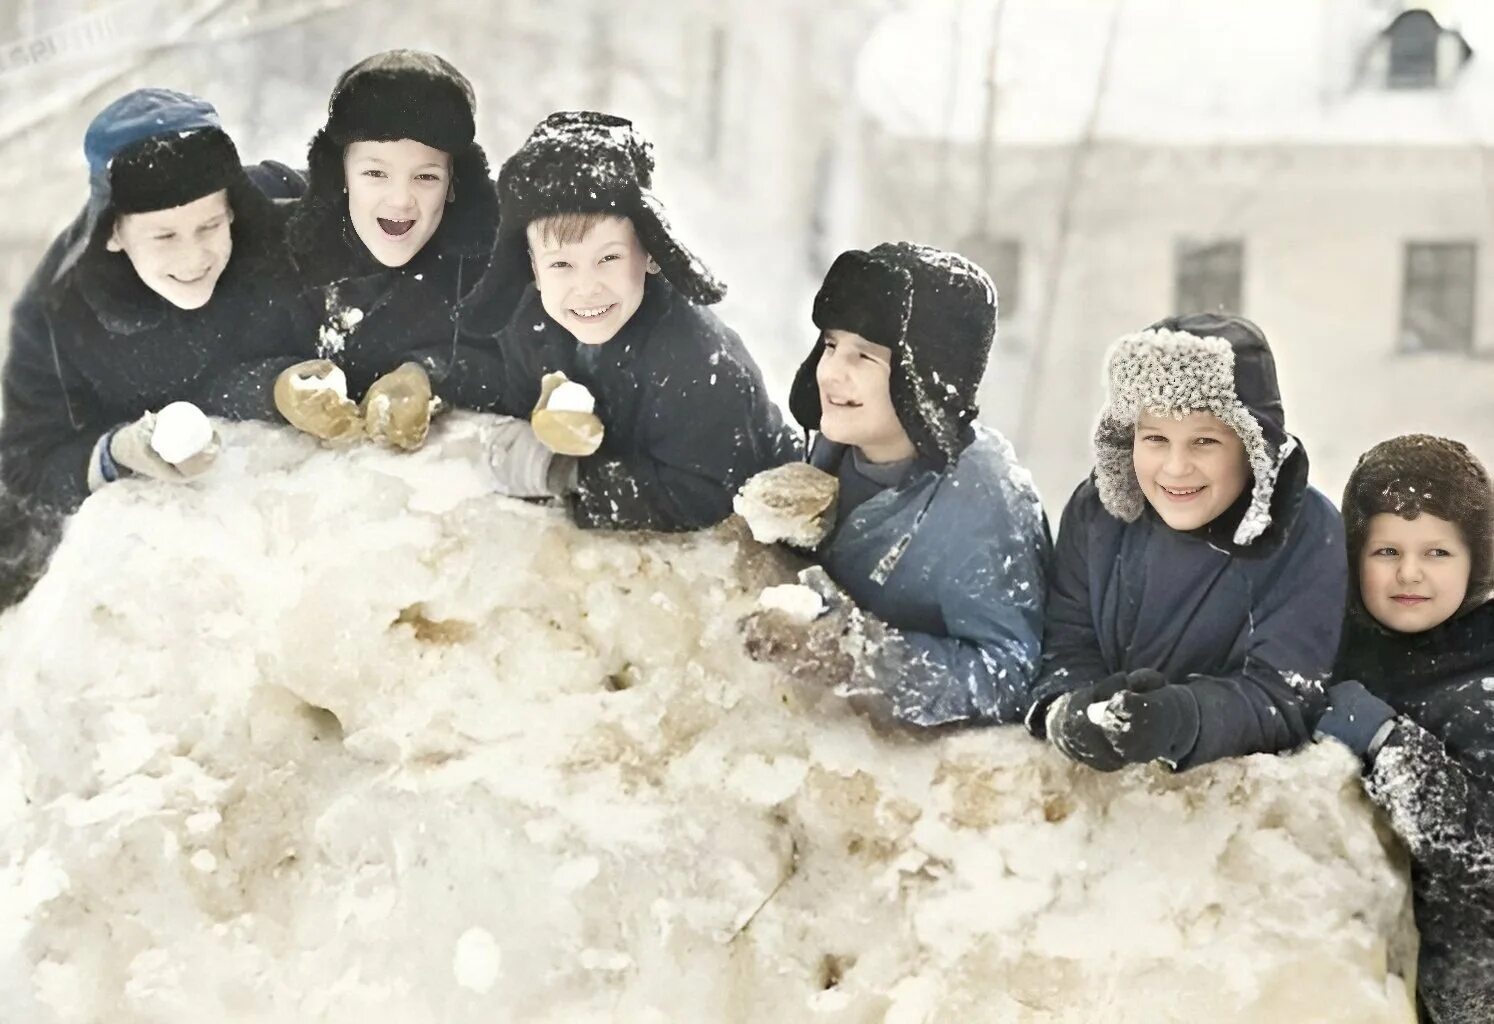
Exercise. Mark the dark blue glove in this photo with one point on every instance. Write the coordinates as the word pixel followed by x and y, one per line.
pixel 1356 718
pixel 1152 720
pixel 1075 734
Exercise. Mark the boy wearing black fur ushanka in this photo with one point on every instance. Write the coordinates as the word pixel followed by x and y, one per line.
pixel 1415 698
pixel 166 288
pixel 933 573
pixel 395 229
pixel 675 416
pixel 1195 602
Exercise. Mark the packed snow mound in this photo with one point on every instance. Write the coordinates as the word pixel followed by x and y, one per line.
pixel 340 736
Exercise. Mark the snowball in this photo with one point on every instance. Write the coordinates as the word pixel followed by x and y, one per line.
pixel 477 960
pixel 795 600
pixel 181 432
pixel 791 503
pixel 571 397
pixel 335 380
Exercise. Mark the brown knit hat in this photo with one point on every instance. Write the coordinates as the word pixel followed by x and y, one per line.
pixel 1418 473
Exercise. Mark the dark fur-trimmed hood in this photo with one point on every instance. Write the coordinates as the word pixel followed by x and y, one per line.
pixel 1200 363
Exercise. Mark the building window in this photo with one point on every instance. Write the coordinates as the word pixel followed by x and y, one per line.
pixel 1413 51
pixel 1208 276
pixel 1002 259
pixel 1437 300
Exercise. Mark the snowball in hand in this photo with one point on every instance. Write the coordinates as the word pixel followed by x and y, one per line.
pixel 571 397
pixel 798 602
pixel 181 432
pixel 794 503
pixel 334 380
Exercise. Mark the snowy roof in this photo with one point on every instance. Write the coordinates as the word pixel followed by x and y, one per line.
pixel 1192 71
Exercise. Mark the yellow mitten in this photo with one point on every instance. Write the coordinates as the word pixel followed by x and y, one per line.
pixel 313 397
pixel 397 407
pixel 564 419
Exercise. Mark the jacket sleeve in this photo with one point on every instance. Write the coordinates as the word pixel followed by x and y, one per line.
pixel 465 374
pixel 1268 705
pixel 983 670
pixel 277 180
pixel 1071 651
pixel 1436 806
pixel 708 428
pixel 50 421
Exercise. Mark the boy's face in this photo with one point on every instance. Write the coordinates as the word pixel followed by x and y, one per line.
pixel 179 253
pixel 1190 469
pixel 855 381
pixel 1413 573
pixel 397 192
pixel 591 287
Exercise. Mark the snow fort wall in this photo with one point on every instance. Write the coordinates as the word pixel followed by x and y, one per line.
pixel 339 736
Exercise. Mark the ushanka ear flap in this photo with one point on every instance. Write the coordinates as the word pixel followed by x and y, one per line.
pixel 862 295
pixel 680 267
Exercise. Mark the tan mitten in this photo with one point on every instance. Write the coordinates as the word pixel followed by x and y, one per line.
pixel 793 503
pixel 398 406
pixel 564 418
pixel 313 397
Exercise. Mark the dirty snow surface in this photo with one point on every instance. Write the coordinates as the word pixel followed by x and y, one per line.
pixel 339 736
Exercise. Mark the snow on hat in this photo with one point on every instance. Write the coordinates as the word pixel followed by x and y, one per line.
pixel 152 149
pixel 1203 362
pixel 588 162
pixel 1418 473
pixel 397 94
pixel 936 310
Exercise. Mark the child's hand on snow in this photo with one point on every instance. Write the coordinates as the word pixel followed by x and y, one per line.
pixel 129 449
pixel 813 652
pixel 523 466
pixel 397 407
pixel 565 419
pixel 1357 719
pixel 313 397
pixel 1077 733
pixel 1152 720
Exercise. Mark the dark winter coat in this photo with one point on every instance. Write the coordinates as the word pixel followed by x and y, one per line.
pixel 1243 614
pixel 98 348
pixel 370 319
pixel 1252 631
pixel 687 416
pixel 1434 776
pixel 953 560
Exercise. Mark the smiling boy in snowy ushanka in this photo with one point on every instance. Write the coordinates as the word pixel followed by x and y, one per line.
pixel 618 305
pixel 933 572
pixel 1198 585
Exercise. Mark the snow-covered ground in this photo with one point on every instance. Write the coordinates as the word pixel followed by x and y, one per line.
pixel 339 736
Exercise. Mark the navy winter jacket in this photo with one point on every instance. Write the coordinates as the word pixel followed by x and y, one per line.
pixel 1251 630
pixel 686 414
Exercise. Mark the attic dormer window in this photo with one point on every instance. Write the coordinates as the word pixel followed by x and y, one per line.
pixel 1413 51
pixel 1420 54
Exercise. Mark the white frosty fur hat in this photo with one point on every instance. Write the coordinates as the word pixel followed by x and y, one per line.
pixel 1176 372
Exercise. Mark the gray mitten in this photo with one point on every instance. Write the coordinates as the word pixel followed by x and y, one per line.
pixel 523 466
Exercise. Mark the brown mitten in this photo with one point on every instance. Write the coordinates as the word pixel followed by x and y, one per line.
pixel 397 407
pixel 794 503
pixel 564 418
pixel 313 397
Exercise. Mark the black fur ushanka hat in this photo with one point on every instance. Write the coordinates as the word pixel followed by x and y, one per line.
pixel 589 162
pixel 397 94
pixel 936 310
